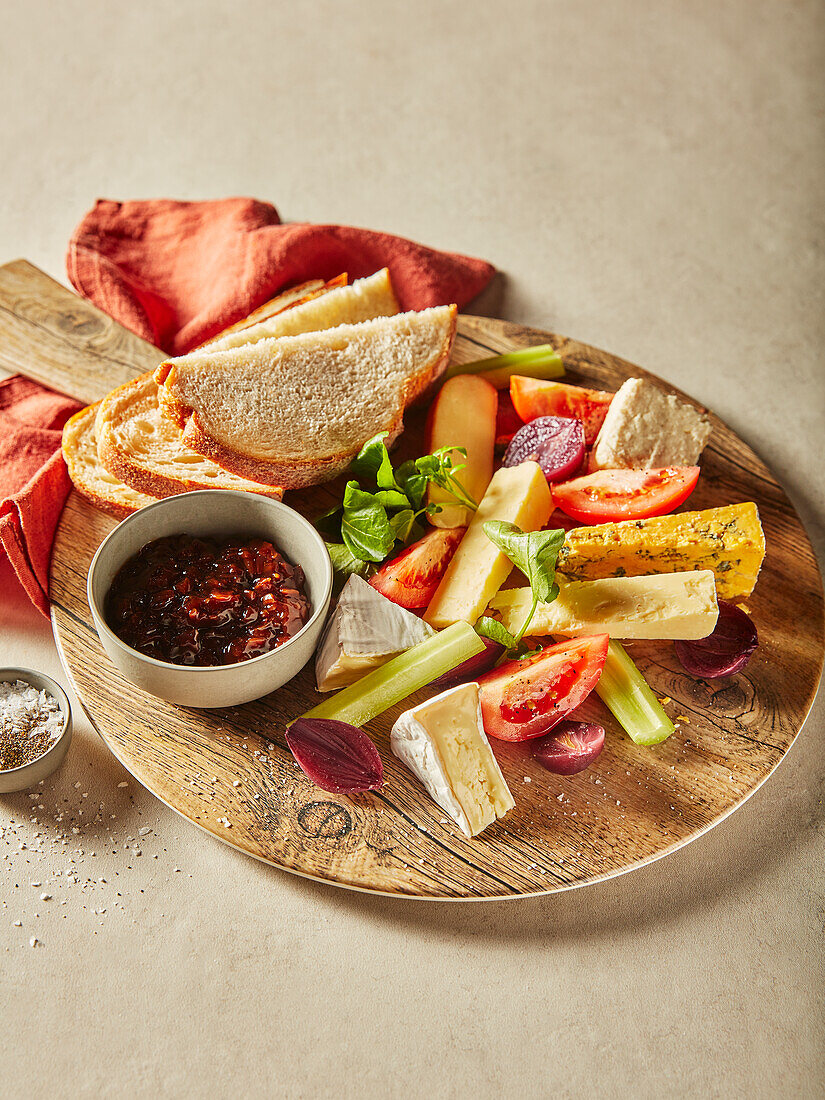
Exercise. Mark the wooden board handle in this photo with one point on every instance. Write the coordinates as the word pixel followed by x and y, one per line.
pixel 52 335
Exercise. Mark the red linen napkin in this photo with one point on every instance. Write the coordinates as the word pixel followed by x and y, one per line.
pixel 177 273
pixel 33 479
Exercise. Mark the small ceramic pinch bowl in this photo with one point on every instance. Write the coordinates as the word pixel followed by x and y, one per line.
pixel 29 775
pixel 214 513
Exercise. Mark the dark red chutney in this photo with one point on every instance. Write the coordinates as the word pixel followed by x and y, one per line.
pixel 203 601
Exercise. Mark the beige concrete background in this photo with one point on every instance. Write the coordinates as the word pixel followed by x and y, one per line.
pixel 649 177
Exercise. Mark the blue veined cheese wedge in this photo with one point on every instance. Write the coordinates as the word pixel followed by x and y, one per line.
pixel 443 743
pixel 671 605
pixel 364 631
pixel 518 494
pixel 729 540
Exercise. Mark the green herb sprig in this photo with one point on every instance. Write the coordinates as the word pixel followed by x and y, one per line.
pixel 535 553
pixel 384 505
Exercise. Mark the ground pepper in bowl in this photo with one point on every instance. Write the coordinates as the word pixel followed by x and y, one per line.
pixel 205 601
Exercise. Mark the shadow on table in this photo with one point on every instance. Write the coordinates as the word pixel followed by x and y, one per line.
pixel 773 827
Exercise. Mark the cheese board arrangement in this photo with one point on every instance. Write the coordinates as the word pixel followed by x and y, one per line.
pixel 575 621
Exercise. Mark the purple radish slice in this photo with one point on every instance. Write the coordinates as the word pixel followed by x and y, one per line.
pixel 724 652
pixel 471 668
pixel 555 442
pixel 570 748
pixel 336 756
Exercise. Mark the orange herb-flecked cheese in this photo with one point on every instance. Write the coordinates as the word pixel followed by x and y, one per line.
pixel 728 540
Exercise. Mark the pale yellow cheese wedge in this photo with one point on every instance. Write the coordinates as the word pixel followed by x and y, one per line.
pixel 478 569
pixel 672 605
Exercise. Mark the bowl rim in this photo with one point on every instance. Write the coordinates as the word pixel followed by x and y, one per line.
pixel 268 502
pixel 54 689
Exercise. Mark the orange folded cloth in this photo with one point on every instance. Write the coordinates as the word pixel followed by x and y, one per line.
pixel 33 479
pixel 177 273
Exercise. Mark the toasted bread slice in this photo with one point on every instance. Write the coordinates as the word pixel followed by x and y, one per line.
pixel 91 479
pixel 295 411
pixel 145 450
pixel 343 305
pixel 296 296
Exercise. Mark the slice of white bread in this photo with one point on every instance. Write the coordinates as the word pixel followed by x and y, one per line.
pixel 343 305
pixel 295 411
pixel 145 450
pixel 297 295
pixel 90 477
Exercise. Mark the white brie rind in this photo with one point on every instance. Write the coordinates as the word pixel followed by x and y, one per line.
pixel 667 605
pixel 363 632
pixel 443 743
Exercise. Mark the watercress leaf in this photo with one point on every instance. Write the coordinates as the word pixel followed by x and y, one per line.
pixel 429 465
pixel 365 528
pixel 344 563
pixel 329 523
pixel 488 627
pixel 373 460
pixel 391 498
pixel 402 523
pixel 533 552
pixel 368 460
pixel 412 482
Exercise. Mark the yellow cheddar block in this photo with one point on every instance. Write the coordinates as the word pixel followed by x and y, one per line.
pixel 517 495
pixel 728 540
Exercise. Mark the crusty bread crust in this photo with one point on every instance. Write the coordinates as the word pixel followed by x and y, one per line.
pixel 297 295
pixel 136 469
pixel 89 478
pixel 291 472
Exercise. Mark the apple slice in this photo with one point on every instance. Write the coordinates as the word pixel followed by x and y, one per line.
pixel 533 397
pixel 463 415
pixel 410 580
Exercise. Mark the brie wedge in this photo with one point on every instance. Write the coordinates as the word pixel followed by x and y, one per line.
pixel 364 631
pixel 443 743
pixel 670 605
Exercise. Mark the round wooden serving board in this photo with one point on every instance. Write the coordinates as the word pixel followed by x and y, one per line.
pixel 632 806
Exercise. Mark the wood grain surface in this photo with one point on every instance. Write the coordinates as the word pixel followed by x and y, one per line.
pixel 632 806
pixel 56 337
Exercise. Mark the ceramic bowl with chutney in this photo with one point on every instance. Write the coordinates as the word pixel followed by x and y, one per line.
pixel 211 598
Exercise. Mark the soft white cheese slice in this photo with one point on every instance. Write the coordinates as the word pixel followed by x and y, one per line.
pixel 443 743
pixel 362 633
pixel 668 605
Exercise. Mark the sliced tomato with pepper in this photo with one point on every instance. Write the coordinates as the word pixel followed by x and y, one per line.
pixel 410 580
pixel 526 698
pixel 609 495
pixel 535 397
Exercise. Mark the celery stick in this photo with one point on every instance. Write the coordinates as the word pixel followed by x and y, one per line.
pixel 626 693
pixel 400 677
pixel 542 361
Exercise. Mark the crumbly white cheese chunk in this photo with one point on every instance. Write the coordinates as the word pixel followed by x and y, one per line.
pixel 646 429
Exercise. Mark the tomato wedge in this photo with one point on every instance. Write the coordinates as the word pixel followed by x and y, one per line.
pixel 608 495
pixel 534 397
pixel 526 698
pixel 410 580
